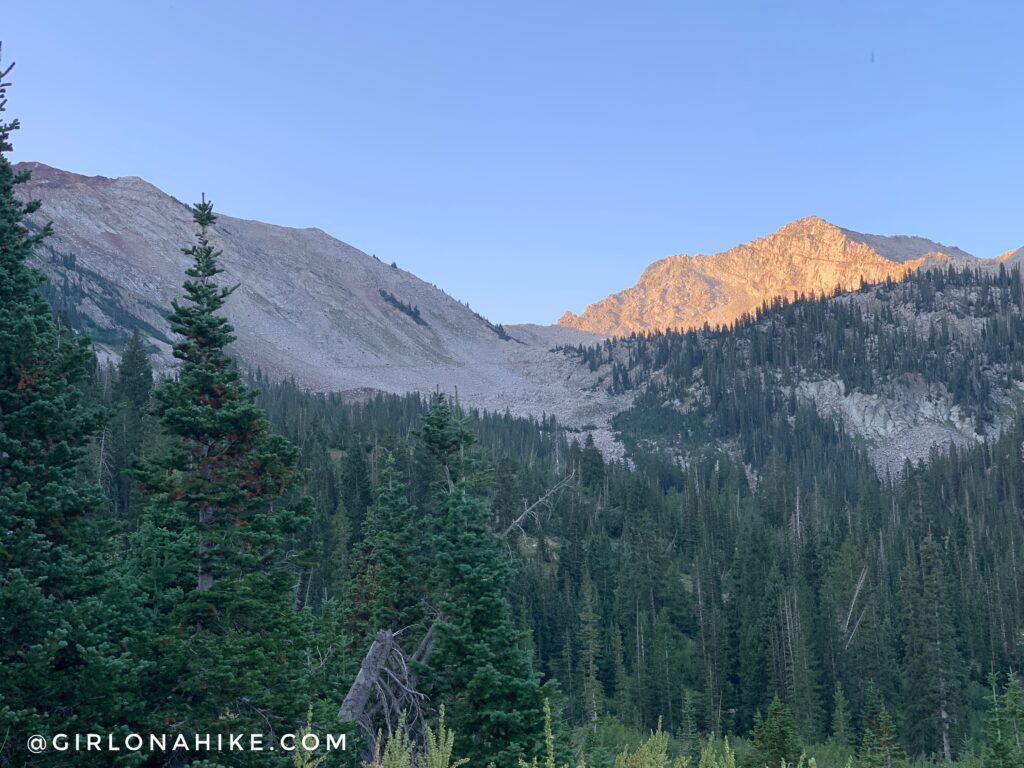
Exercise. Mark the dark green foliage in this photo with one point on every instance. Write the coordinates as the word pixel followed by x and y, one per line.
pixel 130 431
pixel 591 464
pixel 216 549
pixel 932 667
pixel 1003 747
pixel 591 688
pixel 480 668
pixel 135 373
pixel 390 589
pixel 775 737
pixel 879 747
pixel 842 725
pixel 407 309
pixel 688 733
pixel 446 439
pixel 63 662
pixel 356 490
pixel 227 468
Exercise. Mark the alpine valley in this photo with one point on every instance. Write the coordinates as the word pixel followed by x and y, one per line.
pixel 763 507
pixel 316 311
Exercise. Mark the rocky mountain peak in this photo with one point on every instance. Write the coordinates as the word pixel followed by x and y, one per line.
pixel 806 256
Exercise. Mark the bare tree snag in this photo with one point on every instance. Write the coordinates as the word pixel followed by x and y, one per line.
pixel 355 703
pixel 384 691
pixel 531 511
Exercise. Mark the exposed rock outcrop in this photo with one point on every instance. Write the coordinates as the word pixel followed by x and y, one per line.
pixel 807 256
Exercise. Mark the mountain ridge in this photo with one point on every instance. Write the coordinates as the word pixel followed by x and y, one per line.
pixel 309 307
pixel 807 256
pixel 312 308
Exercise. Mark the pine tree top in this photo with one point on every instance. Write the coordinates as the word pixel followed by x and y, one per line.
pixel 204 333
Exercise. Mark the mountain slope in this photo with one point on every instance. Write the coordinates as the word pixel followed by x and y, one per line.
pixel 904 248
pixel 315 309
pixel 937 358
pixel 308 306
pixel 1011 257
pixel 808 256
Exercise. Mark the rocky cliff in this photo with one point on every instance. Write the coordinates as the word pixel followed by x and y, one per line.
pixel 808 256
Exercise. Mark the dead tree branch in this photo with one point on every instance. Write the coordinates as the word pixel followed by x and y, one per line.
pixel 532 510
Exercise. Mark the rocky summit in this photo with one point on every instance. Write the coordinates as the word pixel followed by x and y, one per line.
pixel 809 256
pixel 314 309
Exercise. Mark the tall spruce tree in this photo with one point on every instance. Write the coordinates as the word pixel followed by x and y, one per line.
pixel 135 372
pixel 63 663
pixel 775 736
pixel 483 674
pixel 842 725
pixel 390 585
pixel 43 424
pixel 590 651
pixel 480 669
pixel 217 546
pixel 128 425
pixel 932 666
pixel 999 750
pixel 879 747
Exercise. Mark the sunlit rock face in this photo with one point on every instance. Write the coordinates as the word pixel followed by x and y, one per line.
pixel 808 256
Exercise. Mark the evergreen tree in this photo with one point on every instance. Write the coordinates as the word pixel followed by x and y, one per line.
pixel 62 665
pixel 652 752
pixel 775 736
pixel 591 463
pixel 1013 707
pixel 215 549
pixel 390 583
pixel 590 639
pixel 842 727
pixel 932 667
pixel 357 491
pixel 1000 750
pixel 446 439
pixel 481 671
pixel 624 699
pixel 689 735
pixel 135 373
pixel 129 425
pixel 483 674
pixel 879 747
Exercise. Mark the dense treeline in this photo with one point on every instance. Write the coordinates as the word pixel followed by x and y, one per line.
pixel 697 595
pixel 963 329
pixel 216 553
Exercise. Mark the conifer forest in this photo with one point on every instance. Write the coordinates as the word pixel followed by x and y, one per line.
pixel 219 550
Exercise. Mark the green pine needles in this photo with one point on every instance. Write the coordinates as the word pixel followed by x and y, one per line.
pixel 62 657
pixel 217 548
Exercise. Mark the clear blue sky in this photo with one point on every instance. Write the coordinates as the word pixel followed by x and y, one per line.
pixel 531 157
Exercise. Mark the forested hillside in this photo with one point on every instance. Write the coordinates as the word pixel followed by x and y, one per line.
pixel 904 365
pixel 697 594
pixel 218 551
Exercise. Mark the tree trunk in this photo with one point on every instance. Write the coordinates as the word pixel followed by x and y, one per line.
pixel 354 705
